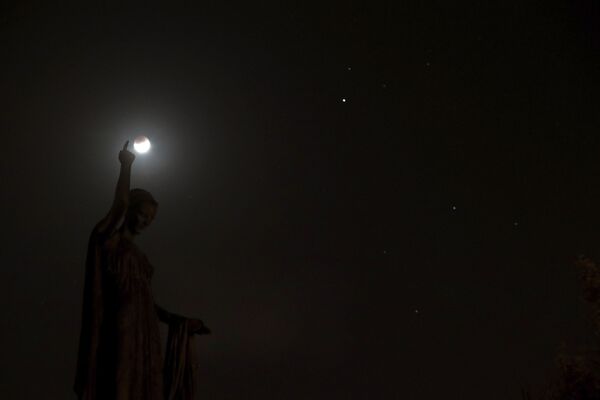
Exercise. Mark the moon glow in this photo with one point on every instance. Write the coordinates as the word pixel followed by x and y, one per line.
pixel 141 144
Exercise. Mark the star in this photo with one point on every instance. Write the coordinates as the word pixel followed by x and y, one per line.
pixel 343 100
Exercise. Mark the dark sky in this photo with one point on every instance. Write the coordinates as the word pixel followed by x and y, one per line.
pixel 413 241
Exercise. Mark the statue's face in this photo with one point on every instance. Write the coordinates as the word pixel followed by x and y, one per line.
pixel 142 217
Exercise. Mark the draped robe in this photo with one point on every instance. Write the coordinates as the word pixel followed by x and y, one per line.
pixel 119 348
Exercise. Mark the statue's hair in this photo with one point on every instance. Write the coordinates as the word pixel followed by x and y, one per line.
pixel 139 196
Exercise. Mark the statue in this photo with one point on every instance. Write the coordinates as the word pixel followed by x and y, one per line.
pixel 119 347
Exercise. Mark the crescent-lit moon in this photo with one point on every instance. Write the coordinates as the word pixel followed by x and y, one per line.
pixel 141 144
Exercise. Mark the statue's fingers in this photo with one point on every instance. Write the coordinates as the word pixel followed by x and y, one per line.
pixel 126 145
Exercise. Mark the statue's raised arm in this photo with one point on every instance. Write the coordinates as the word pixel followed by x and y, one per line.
pixel 116 215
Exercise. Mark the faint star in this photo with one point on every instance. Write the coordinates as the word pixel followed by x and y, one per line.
pixel 427 64
pixel 416 311
pixel 344 100
pixel 349 68
pixel 516 223
pixel 453 208
pixel 384 85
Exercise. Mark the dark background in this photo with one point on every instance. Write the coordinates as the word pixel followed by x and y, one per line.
pixel 414 241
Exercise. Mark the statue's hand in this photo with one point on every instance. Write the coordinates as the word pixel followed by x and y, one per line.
pixel 197 326
pixel 125 156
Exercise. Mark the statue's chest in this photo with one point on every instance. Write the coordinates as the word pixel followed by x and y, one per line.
pixel 128 266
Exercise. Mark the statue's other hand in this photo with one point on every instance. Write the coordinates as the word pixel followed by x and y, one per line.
pixel 197 326
pixel 585 262
pixel 125 156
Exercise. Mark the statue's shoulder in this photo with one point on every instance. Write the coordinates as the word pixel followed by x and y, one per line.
pixel 103 240
pixel 113 241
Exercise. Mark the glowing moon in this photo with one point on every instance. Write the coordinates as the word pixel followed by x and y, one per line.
pixel 141 144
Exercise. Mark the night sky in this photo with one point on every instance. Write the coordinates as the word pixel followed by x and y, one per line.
pixel 362 199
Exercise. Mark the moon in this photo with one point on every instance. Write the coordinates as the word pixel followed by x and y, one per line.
pixel 141 144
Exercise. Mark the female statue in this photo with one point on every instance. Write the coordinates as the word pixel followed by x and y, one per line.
pixel 119 348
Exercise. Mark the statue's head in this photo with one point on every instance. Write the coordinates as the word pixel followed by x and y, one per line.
pixel 142 210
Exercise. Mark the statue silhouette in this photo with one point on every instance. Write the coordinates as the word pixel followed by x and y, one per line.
pixel 119 347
